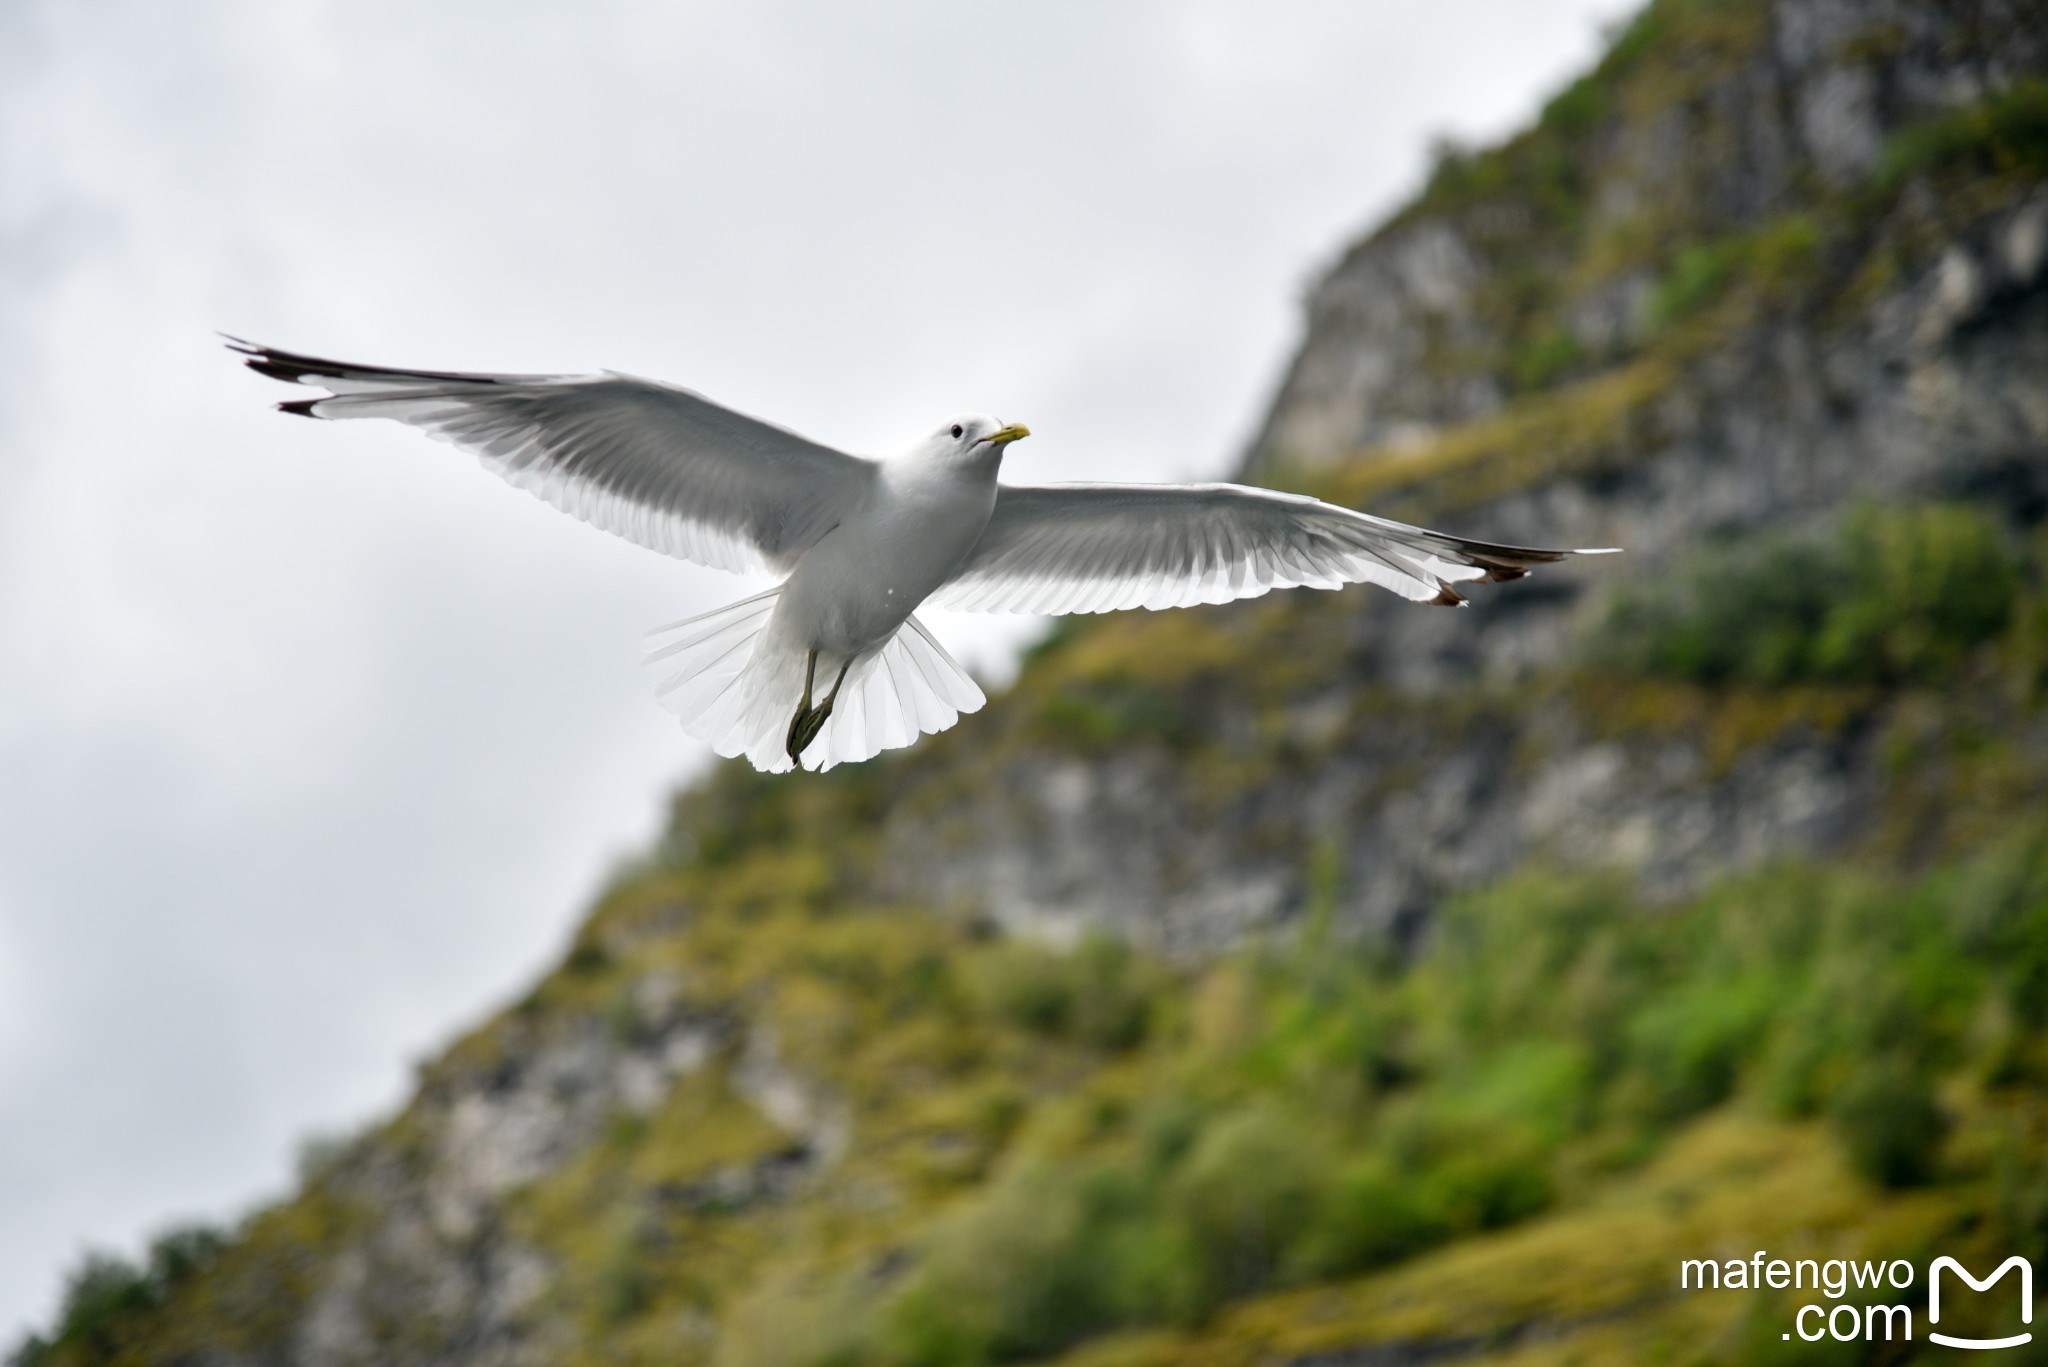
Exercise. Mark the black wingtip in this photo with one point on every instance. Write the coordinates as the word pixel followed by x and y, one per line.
pixel 272 363
pixel 298 368
pixel 263 365
pixel 301 408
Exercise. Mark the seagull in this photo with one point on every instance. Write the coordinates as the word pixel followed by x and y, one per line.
pixel 832 666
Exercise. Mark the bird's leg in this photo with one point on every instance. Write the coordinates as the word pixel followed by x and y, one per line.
pixel 803 712
pixel 809 721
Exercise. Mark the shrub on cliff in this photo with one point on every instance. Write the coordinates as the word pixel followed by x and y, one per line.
pixel 1895 595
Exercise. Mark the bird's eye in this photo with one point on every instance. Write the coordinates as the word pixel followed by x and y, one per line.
pixel 958 430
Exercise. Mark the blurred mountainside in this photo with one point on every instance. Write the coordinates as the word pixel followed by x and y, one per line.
pixel 1324 980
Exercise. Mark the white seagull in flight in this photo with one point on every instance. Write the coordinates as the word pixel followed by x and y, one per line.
pixel 832 665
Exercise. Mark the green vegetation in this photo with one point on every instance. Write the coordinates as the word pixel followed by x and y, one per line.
pixel 1893 595
pixel 1542 359
pixel 1587 428
pixel 108 1297
pixel 1771 261
pixel 1090 1145
pixel 1099 993
pixel 2006 135
pixel 1697 277
pixel 1302 1116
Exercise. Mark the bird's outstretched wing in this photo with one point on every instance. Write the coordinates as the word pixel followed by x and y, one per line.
pixel 1059 548
pixel 655 464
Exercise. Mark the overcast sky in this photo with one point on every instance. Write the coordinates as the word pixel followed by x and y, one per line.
pixel 313 739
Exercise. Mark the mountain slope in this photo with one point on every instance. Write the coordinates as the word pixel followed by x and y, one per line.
pixel 1326 980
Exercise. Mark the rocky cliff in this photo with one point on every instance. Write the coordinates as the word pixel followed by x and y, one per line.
pixel 1745 274
pixel 1323 978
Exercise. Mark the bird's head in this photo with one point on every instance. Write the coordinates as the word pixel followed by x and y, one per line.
pixel 972 436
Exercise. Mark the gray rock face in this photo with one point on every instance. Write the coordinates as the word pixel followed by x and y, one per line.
pixel 1394 349
pixel 1400 816
pixel 1363 381
pixel 434 1276
pixel 1934 386
pixel 1942 391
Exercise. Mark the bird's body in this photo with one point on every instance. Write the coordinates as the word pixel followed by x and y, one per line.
pixel 832 665
pixel 856 588
pixel 864 578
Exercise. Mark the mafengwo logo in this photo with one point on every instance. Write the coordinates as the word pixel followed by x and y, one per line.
pixel 2026 1271
pixel 1862 1318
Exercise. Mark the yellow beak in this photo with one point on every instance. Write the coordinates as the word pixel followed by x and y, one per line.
pixel 1016 431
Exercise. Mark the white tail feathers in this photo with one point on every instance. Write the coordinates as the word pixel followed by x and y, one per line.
pixel 737 686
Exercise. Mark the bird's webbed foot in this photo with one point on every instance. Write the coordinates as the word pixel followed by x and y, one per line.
pixel 809 721
pixel 805 726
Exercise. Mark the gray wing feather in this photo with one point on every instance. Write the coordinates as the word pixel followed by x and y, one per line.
pixel 1067 548
pixel 653 463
